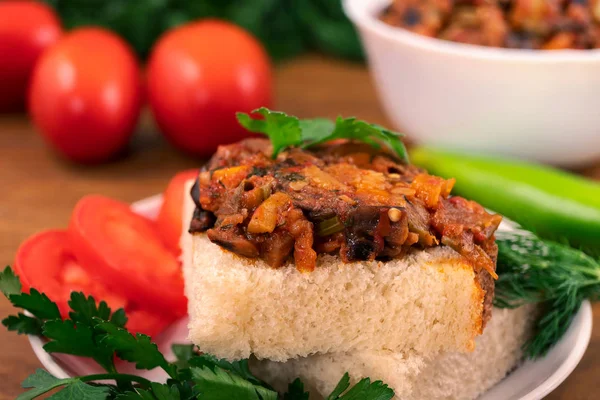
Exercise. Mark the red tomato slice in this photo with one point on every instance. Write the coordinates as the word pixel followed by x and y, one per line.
pixel 147 322
pixel 46 262
pixel 169 220
pixel 125 252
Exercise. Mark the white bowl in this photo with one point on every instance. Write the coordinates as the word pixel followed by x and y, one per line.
pixel 531 381
pixel 539 105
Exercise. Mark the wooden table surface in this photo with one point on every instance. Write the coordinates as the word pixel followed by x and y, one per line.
pixel 39 189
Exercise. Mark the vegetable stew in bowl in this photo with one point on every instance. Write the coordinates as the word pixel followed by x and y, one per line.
pixel 526 24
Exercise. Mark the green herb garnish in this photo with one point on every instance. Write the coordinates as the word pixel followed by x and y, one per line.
pixel 95 331
pixel 557 276
pixel 286 131
pixel 329 226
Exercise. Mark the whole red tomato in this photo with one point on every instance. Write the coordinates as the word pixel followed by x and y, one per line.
pixel 199 76
pixel 26 29
pixel 85 95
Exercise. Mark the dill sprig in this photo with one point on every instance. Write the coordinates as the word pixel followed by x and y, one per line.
pixel 554 275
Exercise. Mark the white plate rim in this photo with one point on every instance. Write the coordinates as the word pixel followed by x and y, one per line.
pixel 582 323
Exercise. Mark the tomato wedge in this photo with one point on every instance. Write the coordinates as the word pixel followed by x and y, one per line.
pixel 46 262
pixel 124 251
pixel 169 220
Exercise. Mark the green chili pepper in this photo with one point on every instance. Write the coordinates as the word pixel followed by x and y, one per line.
pixel 552 203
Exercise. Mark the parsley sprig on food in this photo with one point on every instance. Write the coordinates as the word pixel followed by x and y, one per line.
pixel 286 131
pixel 94 331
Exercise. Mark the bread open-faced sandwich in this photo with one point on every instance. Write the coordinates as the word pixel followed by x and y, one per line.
pixel 343 257
pixel 339 248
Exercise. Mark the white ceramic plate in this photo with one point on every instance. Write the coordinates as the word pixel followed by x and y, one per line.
pixel 531 381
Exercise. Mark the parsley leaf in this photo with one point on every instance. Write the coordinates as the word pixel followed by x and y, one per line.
pixel 78 340
pixel 283 130
pixel 94 332
pixel 218 384
pixel 138 395
pixel 9 282
pixel 42 382
pixel 372 134
pixel 239 368
pixel 342 385
pixel 157 391
pixel 316 129
pixel 81 391
pixel 36 303
pixel 165 392
pixel 296 391
pixel 119 318
pixel 68 339
pixel 84 310
pixel 286 131
pixel 187 388
pixel 23 324
pixel 138 349
pixel 363 390
pixel 183 353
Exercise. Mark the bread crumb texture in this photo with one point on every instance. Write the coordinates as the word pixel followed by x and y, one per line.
pixel 450 375
pixel 427 302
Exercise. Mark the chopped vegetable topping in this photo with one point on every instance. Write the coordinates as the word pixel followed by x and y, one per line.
pixel 347 198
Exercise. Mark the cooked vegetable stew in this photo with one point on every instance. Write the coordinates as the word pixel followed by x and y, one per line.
pixel 347 199
pixel 525 24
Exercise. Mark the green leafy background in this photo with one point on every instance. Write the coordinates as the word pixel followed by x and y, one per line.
pixel 286 27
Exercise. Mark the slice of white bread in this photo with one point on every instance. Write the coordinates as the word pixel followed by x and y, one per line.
pixel 446 376
pixel 429 301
